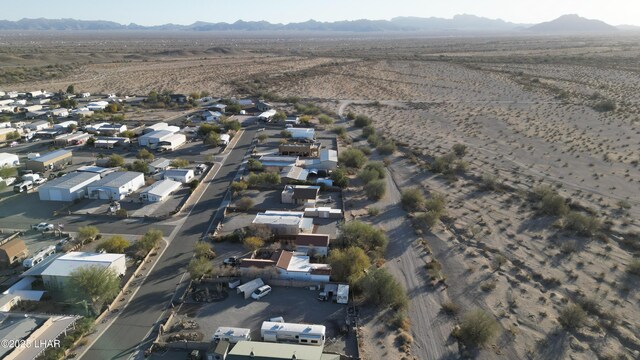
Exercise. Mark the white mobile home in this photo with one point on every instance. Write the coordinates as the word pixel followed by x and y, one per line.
pixel 116 186
pixel 300 333
pixel 180 175
pixel 60 113
pixel 58 272
pixel 68 188
pixel 159 191
pixel 65 125
pixel 302 133
pixel 159 164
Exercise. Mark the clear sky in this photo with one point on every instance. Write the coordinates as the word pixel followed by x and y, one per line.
pixel 155 12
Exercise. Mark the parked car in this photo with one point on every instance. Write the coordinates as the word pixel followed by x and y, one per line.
pixel 43 227
pixel 231 261
pixel 40 181
pixel 261 292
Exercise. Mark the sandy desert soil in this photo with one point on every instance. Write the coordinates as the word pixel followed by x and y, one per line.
pixel 523 106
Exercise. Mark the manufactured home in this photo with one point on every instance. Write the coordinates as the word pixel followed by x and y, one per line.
pixel 231 334
pixel 298 333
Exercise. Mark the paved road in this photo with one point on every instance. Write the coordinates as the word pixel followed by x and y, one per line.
pixel 128 335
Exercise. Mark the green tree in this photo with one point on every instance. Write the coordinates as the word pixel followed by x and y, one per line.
pixel 71 89
pixel 95 284
pixel 252 243
pixel 128 134
pixel 374 170
pixel 212 139
pixel 206 129
pixel 365 236
pixel 193 184
pixel 412 200
pixel 339 177
pixel 145 154
pixel 115 160
pixel 203 250
pixel 238 186
pixel 68 103
pixel 14 135
pixel 87 233
pixel 254 165
pixel 115 245
pixel 380 288
pixel 348 264
pixel 375 189
pixel 149 241
pixel 353 158
pixel 280 116
pixel 265 178
pixel 477 328
pixel 233 108
pixel 140 166
pixel 233 125
pixel 179 163
pixel 199 267
pixel 111 108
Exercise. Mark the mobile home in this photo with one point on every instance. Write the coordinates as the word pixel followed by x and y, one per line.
pixel 299 333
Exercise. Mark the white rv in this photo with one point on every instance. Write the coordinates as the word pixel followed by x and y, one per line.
pixel 342 296
pixel 37 258
pixel 231 334
pixel 299 333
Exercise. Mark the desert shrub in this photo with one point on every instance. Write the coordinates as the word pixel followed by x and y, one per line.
pixel 450 308
pixel 351 116
pixel 115 160
pixel 252 243
pixel 375 189
pixel 145 154
pixel 380 288
pixel 572 317
pixel 87 233
pixel 339 177
pixel 477 328
pixel 233 125
pixel 412 199
pixel 488 286
pixel 238 186
pixel 374 140
pixel 365 236
pixel 348 264
pixel 325 119
pixel 368 175
pixel 362 121
pixel 245 203
pixel 444 164
pixel 540 191
pixel 460 150
pixel 193 184
pixel 352 158
pixel 149 241
pixel 265 178
pixel 498 261
pixel 179 163
pixel 212 139
pixel 604 105
pixel 140 166
pixel 341 131
pixel 115 245
pixel 122 213
pixel 373 211
pixel 634 267
pixel 368 131
pixel 586 225
pixel 285 133
pixel 6 172
pixel 427 220
pixel 262 137
pixel 254 165
pixel 552 204
pixel 489 182
pixel 436 203
pixel 206 129
pixel 387 147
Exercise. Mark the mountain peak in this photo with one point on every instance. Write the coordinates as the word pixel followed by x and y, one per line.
pixel 573 23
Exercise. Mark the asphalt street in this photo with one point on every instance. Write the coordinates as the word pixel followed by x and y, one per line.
pixel 128 336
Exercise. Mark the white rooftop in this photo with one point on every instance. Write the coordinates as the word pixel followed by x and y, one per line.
pixel 66 264
pixel 117 179
pixel 162 187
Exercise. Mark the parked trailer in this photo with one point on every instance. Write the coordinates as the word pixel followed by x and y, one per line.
pixel 37 258
pixel 299 333
pixel 231 334
pixel 247 288
pixel 342 296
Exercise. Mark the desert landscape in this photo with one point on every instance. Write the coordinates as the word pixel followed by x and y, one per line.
pixel 533 143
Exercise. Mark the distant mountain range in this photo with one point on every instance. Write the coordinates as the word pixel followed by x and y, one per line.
pixel 459 23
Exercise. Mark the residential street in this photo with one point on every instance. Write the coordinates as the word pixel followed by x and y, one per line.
pixel 128 336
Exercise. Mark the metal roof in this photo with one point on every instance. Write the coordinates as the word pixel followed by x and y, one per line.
pixel 177 172
pixel 160 162
pixel 71 180
pixel 66 264
pixel 267 350
pixel 162 187
pixel 53 155
pixel 117 179
pixel 283 218
pixel 17 327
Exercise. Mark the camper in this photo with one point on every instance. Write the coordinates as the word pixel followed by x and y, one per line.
pixel 231 334
pixel 342 296
pixel 299 333
pixel 37 258
pixel 32 156
pixel 31 177
pixel 23 186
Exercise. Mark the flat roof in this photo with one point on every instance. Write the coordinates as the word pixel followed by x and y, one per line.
pixel 157 134
pixel 269 350
pixel 53 155
pixel 117 179
pixel 160 162
pixel 284 218
pixel 67 263
pixel 93 169
pixel 173 172
pixel 70 180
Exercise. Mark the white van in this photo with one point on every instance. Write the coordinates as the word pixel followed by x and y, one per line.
pixel 261 292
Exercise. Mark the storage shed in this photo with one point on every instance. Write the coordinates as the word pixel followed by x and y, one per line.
pixel 116 186
pixel 12 252
pixel 50 161
pixel 68 188
pixel 159 191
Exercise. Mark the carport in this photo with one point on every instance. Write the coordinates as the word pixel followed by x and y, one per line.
pixel 249 287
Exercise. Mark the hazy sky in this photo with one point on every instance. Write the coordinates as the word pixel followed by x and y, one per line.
pixel 155 12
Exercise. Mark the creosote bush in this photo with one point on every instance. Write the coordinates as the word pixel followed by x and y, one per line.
pixel 478 328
